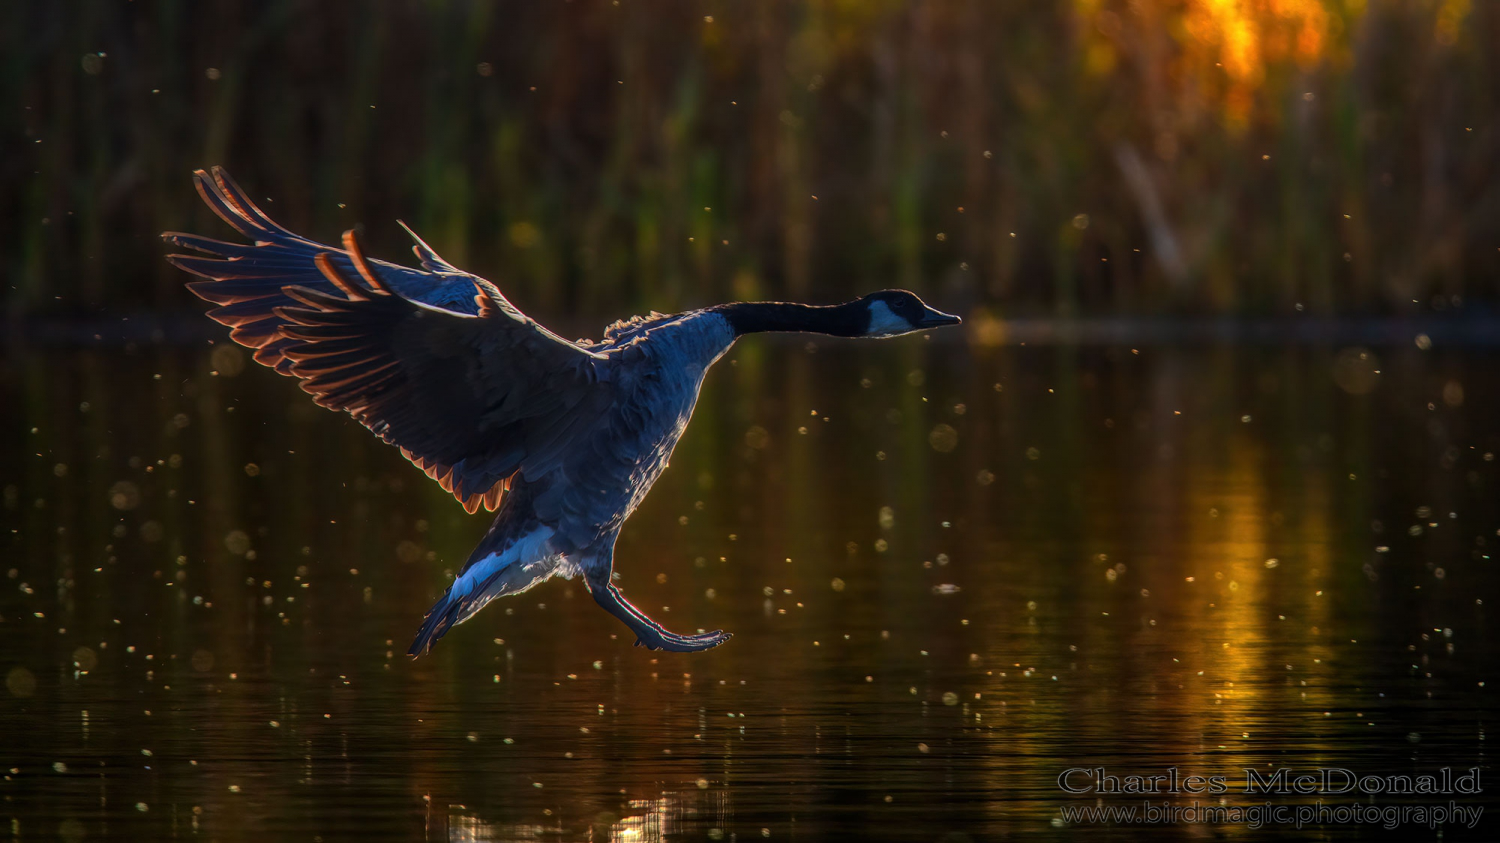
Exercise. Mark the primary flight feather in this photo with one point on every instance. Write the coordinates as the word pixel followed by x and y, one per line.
pixel 562 440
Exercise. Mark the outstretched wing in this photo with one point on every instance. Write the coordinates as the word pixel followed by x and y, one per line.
pixel 246 280
pixel 436 362
pixel 471 399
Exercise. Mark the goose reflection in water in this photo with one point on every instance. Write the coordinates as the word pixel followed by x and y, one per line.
pixel 672 814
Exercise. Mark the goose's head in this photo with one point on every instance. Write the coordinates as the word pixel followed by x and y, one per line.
pixel 896 312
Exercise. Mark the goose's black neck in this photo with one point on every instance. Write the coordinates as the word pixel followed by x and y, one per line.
pixel 851 319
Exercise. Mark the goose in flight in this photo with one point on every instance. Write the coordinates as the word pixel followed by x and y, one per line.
pixel 561 440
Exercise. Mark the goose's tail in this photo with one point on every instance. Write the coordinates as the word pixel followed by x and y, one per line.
pixel 443 616
pixel 508 561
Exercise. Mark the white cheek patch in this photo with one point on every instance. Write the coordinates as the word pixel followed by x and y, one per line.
pixel 884 322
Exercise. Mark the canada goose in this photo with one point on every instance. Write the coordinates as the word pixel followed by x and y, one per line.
pixel 561 439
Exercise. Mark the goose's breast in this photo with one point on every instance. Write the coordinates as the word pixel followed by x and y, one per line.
pixel 653 421
pixel 658 383
pixel 664 377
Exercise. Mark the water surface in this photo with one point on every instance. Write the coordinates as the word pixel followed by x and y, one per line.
pixel 952 573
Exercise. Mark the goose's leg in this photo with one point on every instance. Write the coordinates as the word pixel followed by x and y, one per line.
pixel 649 633
pixel 653 635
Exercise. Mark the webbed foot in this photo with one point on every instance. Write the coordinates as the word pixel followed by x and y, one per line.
pixel 649 633
pixel 672 642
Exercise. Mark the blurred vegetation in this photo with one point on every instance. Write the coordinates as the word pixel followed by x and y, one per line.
pixel 1029 156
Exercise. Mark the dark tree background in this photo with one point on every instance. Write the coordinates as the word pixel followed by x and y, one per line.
pixel 1027 157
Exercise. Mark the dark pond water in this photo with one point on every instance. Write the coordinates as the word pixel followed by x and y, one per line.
pixel 953 574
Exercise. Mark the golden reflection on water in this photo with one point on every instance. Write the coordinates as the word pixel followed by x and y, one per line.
pixel 645 821
pixel 952 574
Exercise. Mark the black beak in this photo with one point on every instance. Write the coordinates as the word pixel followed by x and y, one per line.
pixel 937 319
